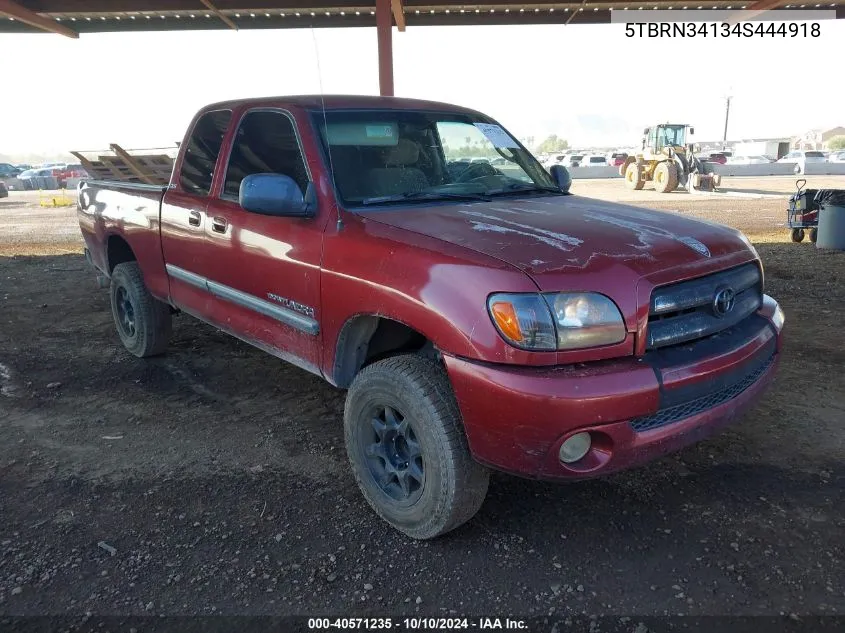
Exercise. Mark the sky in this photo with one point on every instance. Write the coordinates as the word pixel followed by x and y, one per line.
pixel 589 84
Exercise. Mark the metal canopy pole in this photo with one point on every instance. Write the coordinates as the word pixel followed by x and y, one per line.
pixel 384 28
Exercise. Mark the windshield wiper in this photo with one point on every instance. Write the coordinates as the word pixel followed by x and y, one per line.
pixel 520 188
pixel 426 195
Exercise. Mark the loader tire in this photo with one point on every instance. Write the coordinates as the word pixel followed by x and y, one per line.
pixel 634 176
pixel 665 177
pixel 624 166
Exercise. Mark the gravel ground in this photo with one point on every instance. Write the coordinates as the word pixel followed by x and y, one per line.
pixel 213 480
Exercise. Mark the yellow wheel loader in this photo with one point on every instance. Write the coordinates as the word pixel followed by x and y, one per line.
pixel 667 162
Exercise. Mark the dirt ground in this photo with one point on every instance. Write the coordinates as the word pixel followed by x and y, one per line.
pixel 218 474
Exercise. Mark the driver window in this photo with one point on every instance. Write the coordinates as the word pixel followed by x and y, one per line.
pixel 264 143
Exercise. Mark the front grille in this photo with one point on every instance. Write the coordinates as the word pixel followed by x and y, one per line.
pixel 684 311
pixel 703 403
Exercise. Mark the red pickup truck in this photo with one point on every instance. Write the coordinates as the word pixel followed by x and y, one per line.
pixel 479 316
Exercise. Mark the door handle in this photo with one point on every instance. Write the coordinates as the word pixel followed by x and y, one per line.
pixel 218 225
pixel 194 218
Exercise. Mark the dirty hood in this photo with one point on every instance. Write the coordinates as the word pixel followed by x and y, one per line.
pixel 553 235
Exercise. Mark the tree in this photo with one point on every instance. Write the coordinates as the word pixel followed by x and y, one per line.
pixel 837 142
pixel 552 144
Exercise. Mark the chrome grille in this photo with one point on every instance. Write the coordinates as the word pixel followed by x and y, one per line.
pixel 685 311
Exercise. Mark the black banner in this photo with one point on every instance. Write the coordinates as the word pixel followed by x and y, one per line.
pixel 438 624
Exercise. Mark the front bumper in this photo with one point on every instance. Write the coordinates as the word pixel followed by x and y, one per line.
pixel 635 409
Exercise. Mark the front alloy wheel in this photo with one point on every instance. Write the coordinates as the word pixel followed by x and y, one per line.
pixel 406 445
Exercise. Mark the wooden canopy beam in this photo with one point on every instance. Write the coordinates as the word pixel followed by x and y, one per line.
pixel 210 6
pixel 756 9
pixel 22 14
pixel 398 13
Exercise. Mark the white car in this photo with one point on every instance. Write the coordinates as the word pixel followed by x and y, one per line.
pixel 802 157
pixel 837 157
pixel 594 160
pixel 749 160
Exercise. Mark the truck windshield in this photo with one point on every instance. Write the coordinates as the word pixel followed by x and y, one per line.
pixel 383 157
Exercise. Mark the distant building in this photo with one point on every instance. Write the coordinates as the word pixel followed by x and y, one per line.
pixel 816 139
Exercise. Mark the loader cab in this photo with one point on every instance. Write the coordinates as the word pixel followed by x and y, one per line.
pixel 669 135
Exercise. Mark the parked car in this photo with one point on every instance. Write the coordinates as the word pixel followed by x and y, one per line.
pixel 529 330
pixel 837 157
pixel 749 160
pixel 718 157
pixel 593 160
pixel 617 158
pixel 802 157
pixel 8 170
pixel 71 172
pixel 43 178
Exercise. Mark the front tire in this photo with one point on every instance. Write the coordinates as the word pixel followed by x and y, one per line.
pixel 665 177
pixel 143 322
pixel 406 444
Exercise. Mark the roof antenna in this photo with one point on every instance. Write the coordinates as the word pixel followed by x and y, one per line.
pixel 326 126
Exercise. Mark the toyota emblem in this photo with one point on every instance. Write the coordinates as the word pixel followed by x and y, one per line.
pixel 724 301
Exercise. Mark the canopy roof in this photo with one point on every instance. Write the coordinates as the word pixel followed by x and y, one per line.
pixel 71 17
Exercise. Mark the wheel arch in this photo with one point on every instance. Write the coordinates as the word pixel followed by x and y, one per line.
pixel 366 338
pixel 118 251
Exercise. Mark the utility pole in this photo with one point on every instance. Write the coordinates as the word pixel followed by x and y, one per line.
pixel 727 112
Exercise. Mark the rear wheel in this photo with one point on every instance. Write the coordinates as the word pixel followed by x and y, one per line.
pixel 143 322
pixel 665 177
pixel 634 176
pixel 407 447
pixel 797 235
pixel 814 234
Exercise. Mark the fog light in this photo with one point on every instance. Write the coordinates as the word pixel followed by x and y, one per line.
pixel 575 448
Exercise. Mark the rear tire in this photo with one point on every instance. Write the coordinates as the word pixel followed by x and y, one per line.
pixel 634 176
pixel 143 322
pixel 406 444
pixel 797 235
pixel 814 234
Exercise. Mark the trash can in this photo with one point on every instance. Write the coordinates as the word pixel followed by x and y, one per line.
pixel 831 232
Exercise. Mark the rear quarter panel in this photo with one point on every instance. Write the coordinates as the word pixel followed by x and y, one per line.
pixel 124 210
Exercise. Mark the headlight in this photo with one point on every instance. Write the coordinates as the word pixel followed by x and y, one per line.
pixel 586 320
pixel 557 321
pixel 523 320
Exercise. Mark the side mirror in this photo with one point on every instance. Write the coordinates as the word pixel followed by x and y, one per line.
pixel 560 175
pixel 277 194
pixel 646 131
pixel 692 130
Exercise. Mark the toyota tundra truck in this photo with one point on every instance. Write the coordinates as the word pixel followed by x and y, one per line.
pixel 479 313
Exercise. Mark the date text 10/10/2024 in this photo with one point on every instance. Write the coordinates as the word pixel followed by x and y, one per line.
pixel 722 29
pixel 417 624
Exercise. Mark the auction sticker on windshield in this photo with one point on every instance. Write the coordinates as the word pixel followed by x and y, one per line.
pixel 496 135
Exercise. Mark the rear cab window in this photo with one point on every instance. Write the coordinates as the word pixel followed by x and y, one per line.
pixel 197 170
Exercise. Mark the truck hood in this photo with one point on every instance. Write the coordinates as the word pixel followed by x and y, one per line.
pixel 553 237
